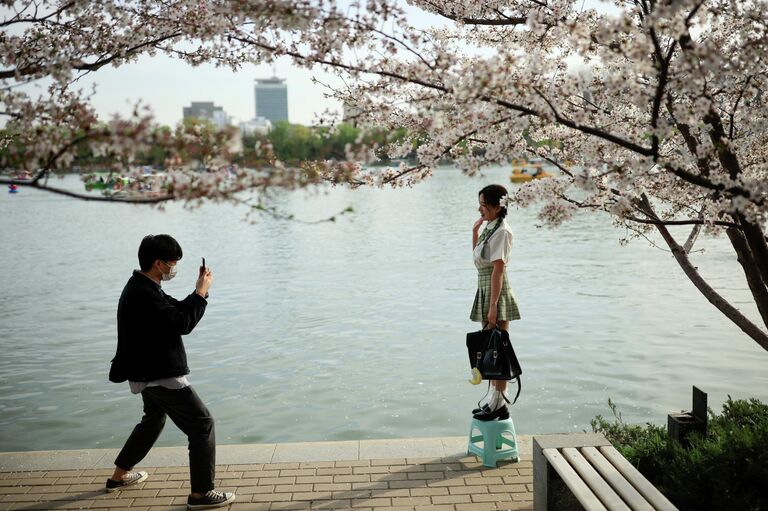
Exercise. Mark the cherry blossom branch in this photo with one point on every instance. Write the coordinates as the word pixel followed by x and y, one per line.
pixel 85 66
pixel 272 212
pixel 706 183
pixel 610 137
pixel 49 164
pixel 656 221
pixel 555 163
pixel 578 204
pixel 732 113
pixel 681 222
pixel 690 140
pixel 489 22
pixel 643 235
pixel 34 18
pixel 663 65
pixel 335 63
pixel 87 197
pixel 503 20
pixel 399 41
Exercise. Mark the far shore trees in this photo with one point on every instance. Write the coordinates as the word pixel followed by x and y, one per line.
pixel 198 144
pixel 656 115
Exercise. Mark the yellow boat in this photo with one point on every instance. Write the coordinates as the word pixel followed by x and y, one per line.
pixel 521 176
pixel 519 163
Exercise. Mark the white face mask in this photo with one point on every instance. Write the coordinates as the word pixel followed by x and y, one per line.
pixel 170 274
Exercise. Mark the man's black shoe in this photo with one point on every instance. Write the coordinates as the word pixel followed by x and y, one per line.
pixel 210 500
pixel 128 479
pixel 485 408
pixel 501 413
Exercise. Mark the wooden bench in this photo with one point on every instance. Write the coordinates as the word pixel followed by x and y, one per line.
pixel 584 471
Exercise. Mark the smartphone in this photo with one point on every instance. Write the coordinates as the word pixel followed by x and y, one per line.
pixel 202 266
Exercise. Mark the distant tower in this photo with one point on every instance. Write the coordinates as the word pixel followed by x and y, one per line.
pixel 271 96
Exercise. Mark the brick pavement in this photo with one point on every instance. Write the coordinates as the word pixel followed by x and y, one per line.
pixel 454 483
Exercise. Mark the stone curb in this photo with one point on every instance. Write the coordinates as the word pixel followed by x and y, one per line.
pixel 81 459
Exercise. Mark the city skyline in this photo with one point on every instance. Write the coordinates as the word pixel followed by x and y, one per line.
pixel 175 85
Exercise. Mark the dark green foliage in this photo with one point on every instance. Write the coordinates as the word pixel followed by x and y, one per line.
pixel 292 143
pixel 726 470
pixel 295 143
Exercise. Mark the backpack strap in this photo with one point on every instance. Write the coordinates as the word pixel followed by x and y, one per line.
pixel 486 393
pixel 516 395
pixel 518 389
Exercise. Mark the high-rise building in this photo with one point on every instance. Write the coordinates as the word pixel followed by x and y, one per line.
pixel 271 96
pixel 207 110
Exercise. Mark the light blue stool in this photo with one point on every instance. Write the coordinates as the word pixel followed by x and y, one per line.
pixel 496 446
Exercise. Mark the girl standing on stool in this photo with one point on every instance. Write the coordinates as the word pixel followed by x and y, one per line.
pixel 495 304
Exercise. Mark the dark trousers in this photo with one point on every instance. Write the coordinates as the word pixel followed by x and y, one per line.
pixel 190 415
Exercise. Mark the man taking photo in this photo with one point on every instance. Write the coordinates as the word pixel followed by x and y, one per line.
pixel 151 356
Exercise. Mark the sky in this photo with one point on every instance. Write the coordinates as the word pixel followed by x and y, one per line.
pixel 167 85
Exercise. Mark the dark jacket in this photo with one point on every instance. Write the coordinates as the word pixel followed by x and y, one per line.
pixel 149 328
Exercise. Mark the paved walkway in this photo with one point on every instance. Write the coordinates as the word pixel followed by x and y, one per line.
pixel 387 475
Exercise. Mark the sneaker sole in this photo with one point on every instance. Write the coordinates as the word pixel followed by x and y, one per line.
pixel 211 506
pixel 122 487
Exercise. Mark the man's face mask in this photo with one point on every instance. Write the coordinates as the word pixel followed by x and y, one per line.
pixel 170 274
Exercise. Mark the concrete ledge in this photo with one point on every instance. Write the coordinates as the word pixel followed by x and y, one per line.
pixel 443 447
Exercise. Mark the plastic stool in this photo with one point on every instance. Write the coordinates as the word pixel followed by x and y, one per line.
pixel 494 442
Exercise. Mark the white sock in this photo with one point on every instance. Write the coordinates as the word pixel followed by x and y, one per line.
pixel 496 400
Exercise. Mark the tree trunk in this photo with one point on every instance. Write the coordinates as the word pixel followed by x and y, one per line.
pixel 757 245
pixel 747 260
pixel 747 326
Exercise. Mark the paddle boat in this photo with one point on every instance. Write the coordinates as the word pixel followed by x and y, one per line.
pixel 522 176
pixel 105 181
pixel 519 163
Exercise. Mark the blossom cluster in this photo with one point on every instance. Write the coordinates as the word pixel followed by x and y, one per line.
pixel 663 99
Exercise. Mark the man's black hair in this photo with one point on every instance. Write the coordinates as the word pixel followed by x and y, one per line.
pixel 158 246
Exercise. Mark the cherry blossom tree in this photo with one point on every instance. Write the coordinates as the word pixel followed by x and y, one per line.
pixel 655 114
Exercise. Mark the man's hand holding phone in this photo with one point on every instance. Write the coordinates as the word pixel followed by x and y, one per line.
pixel 204 280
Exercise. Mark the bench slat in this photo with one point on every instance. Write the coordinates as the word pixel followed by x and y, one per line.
pixel 596 483
pixel 651 494
pixel 616 480
pixel 580 490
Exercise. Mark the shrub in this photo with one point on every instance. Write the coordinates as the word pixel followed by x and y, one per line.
pixel 727 469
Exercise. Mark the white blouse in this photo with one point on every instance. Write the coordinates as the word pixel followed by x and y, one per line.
pixel 499 246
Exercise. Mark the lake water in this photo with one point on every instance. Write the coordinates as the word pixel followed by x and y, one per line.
pixel 355 329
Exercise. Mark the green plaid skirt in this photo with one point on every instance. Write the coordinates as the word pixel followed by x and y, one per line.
pixel 507 308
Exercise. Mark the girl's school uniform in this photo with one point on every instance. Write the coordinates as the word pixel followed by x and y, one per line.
pixel 493 244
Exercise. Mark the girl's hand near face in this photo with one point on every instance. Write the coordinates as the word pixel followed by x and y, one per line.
pixel 478 223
